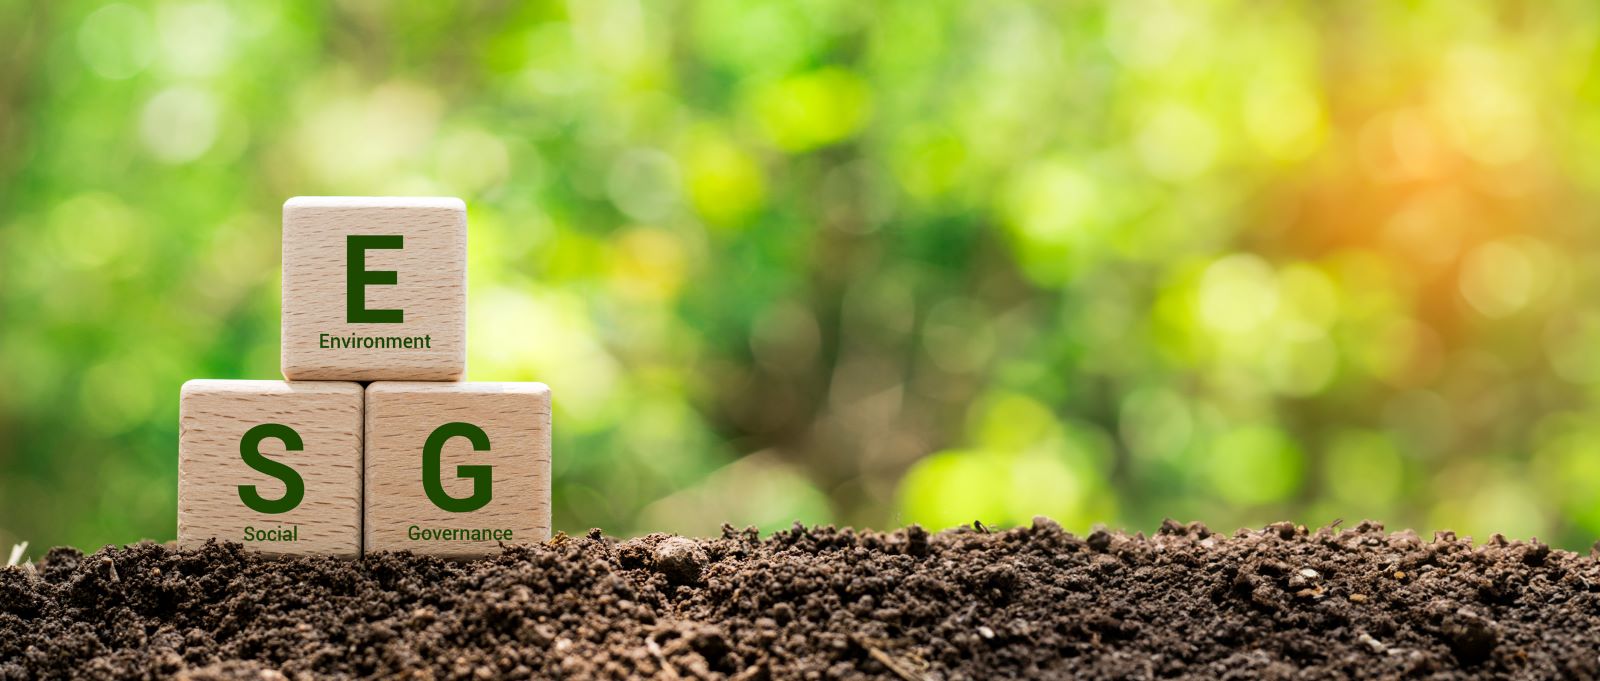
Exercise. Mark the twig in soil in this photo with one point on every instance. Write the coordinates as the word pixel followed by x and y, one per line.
pixel 1370 642
pixel 651 645
pixel 894 665
pixel 888 661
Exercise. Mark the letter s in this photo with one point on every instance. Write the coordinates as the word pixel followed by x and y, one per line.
pixel 250 451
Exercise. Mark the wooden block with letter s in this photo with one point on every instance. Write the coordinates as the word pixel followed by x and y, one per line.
pixel 273 465
pixel 374 288
pixel 457 469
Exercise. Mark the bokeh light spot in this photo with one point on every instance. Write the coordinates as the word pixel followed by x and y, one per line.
pixel 1237 294
pixel 197 38
pixel 725 183
pixel 1043 485
pixel 1571 343
pixel 648 263
pixel 953 488
pixel 1012 422
pixel 1481 100
pixel 472 160
pixel 1284 117
pixel 93 229
pixel 179 124
pixel 1156 423
pixel 1310 302
pixel 1364 471
pixel 116 41
pixel 1301 367
pixel 1051 203
pixel 351 140
pixel 813 109
pixel 644 184
pixel 1497 279
pixel 1254 465
pixel 1177 143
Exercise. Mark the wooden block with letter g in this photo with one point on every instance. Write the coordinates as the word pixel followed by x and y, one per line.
pixel 374 288
pixel 273 465
pixel 457 469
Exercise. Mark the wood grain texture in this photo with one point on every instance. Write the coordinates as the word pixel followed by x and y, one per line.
pixel 431 287
pixel 215 415
pixel 400 418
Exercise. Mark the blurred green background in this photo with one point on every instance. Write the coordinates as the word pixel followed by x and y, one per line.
pixel 861 263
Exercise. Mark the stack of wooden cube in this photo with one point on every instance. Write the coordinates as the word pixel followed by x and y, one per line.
pixel 372 443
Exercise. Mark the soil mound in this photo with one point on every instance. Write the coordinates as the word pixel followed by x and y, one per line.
pixel 823 603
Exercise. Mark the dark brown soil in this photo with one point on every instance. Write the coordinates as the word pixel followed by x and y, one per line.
pixel 824 603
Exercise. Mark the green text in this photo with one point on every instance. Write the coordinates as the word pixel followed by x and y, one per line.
pixel 250 451
pixel 292 533
pixel 481 476
pixel 328 341
pixel 415 533
pixel 358 278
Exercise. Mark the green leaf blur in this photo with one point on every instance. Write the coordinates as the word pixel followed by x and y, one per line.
pixel 861 263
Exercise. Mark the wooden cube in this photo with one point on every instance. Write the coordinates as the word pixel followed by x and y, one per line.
pixel 374 288
pixel 273 465
pixel 457 469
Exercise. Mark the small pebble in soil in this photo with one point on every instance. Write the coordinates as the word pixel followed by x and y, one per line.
pixel 1472 637
pixel 680 559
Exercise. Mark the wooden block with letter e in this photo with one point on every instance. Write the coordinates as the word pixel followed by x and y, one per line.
pixel 374 288
pixel 457 469
pixel 273 465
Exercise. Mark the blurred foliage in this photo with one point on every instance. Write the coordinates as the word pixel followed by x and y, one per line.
pixel 862 263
